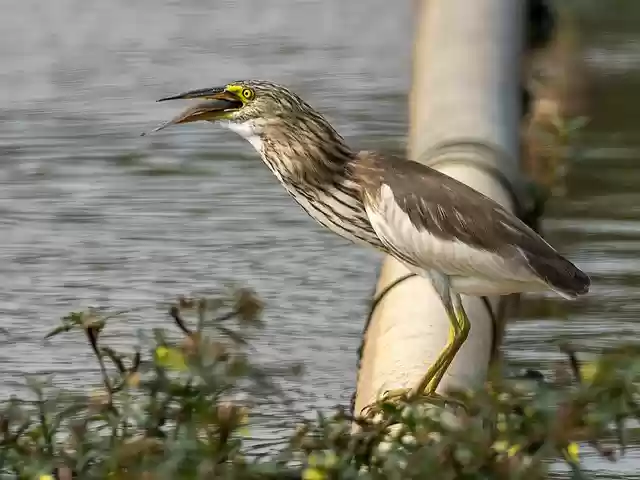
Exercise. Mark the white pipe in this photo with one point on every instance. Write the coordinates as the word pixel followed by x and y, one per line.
pixel 465 121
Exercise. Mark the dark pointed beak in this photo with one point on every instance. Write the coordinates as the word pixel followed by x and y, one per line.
pixel 216 102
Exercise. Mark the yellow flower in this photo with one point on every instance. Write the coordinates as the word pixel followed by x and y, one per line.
pixel 45 477
pixel 513 450
pixel 588 371
pixel 171 358
pixel 313 474
pixel 501 446
pixel 572 452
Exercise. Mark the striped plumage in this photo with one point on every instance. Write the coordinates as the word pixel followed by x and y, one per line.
pixel 329 190
pixel 437 226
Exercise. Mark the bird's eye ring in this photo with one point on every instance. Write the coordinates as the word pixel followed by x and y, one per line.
pixel 247 93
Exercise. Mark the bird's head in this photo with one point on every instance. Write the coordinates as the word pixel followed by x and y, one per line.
pixel 290 135
pixel 246 101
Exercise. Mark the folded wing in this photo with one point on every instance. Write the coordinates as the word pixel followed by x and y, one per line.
pixel 431 221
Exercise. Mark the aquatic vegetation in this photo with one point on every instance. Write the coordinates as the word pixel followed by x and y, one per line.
pixel 179 406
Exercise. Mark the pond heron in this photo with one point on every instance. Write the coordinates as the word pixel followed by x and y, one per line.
pixel 438 227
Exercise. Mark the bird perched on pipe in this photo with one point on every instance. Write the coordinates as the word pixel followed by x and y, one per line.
pixel 440 228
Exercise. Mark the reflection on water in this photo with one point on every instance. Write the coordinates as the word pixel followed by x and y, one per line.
pixel 91 213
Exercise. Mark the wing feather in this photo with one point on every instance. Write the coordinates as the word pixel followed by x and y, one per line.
pixel 429 220
pixel 420 248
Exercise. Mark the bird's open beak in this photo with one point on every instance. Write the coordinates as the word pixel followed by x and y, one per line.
pixel 216 103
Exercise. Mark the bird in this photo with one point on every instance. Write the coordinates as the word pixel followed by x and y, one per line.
pixel 438 227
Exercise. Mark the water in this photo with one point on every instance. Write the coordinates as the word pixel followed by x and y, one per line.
pixel 93 214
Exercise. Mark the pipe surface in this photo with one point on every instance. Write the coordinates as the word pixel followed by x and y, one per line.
pixel 464 121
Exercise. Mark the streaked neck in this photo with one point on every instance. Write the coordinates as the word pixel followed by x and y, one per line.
pixel 305 152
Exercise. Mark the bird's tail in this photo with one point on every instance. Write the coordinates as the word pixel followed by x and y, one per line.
pixel 561 275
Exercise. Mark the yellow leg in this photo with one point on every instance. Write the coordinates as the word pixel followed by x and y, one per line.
pixel 459 335
pixel 431 378
pixel 435 381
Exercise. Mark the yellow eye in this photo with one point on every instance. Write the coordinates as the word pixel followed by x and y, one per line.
pixel 247 93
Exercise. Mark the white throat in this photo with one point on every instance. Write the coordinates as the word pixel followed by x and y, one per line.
pixel 247 130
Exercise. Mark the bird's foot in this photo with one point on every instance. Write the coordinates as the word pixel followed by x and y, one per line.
pixel 424 390
pixel 408 395
pixel 400 398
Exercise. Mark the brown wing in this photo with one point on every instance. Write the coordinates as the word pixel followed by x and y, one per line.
pixel 448 210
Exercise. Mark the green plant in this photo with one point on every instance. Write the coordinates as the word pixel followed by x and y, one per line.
pixel 172 409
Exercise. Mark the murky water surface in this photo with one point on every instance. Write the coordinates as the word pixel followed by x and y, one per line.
pixel 93 214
